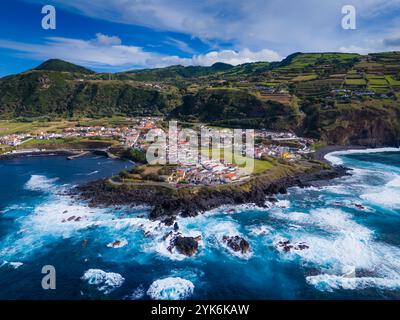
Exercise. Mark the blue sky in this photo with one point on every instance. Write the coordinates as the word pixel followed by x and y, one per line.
pixel 115 35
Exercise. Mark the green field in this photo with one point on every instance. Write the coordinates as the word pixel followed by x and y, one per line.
pixel 377 81
pixel 38 126
pixel 305 77
pixel 260 166
pixel 392 81
pixel 355 82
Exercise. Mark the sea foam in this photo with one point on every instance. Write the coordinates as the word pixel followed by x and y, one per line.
pixel 105 282
pixel 326 282
pixel 171 289
pixel 40 183
pixel 387 195
pixel 347 246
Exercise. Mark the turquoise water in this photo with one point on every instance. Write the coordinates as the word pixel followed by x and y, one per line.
pixel 350 227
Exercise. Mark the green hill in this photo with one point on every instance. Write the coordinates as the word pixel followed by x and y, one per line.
pixel 236 108
pixel 62 66
pixel 337 97
pixel 45 93
pixel 174 72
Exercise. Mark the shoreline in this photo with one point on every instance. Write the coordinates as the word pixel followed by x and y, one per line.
pixel 321 153
pixel 167 204
pixel 328 154
pixel 48 153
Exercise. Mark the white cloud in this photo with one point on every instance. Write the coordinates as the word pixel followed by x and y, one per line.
pixel 235 57
pixel 89 53
pixel 355 49
pixel 105 40
pixel 108 51
pixel 181 45
pixel 287 26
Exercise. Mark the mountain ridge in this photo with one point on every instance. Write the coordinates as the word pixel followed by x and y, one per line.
pixel 338 97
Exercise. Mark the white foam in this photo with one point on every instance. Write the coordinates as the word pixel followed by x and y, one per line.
pixel 387 198
pixel 149 227
pixel 40 183
pixel 387 195
pixel 395 183
pixel 61 217
pixel 337 252
pixel 137 294
pixel 260 230
pixel 326 282
pixel 14 265
pixel 213 230
pixel 338 189
pixel 329 219
pixel 348 247
pixel 49 222
pixel 105 282
pixel 171 289
pixel 282 204
pixel 232 209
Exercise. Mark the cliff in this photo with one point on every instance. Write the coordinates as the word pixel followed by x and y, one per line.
pixel 192 201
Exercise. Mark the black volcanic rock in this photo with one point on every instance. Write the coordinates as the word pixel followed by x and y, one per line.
pixel 166 205
pixel 286 246
pixel 169 221
pixel 186 245
pixel 237 244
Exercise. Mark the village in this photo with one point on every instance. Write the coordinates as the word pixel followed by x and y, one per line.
pixel 192 165
pixel 127 135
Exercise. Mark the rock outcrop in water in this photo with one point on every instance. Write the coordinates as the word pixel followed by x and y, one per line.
pixel 287 246
pixel 186 245
pixel 236 244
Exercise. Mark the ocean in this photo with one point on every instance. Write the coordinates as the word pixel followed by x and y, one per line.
pixel 337 241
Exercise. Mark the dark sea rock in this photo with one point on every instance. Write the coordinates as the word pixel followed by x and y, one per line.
pixel 186 245
pixel 169 221
pixel 287 246
pixel 237 244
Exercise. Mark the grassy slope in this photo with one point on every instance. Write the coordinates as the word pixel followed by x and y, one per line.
pixel 221 94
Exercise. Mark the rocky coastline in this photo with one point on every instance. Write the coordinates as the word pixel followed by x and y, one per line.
pixel 167 204
pixel 21 154
pixel 47 153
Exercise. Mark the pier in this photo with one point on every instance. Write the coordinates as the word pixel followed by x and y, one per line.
pixel 76 156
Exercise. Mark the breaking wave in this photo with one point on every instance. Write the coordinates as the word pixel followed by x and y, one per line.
pixel 105 282
pixel 40 183
pixel 171 289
